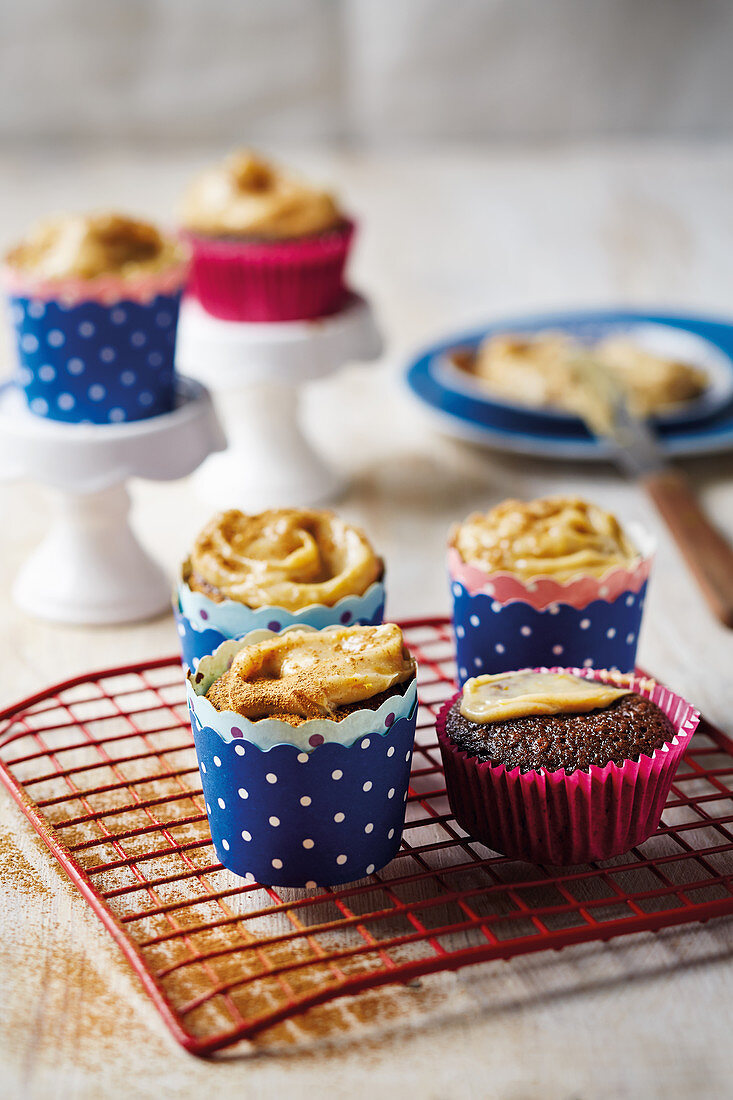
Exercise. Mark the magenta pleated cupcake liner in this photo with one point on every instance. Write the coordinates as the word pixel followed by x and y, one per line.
pixel 560 819
pixel 292 280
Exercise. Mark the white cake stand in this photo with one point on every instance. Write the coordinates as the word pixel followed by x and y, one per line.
pixel 256 372
pixel 90 568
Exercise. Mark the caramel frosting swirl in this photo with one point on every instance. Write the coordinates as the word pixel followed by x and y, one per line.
pixel 246 196
pixel 559 537
pixel 290 558
pixel 311 674
pixel 85 246
pixel 521 694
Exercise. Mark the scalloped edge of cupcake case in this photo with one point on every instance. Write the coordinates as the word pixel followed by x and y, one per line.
pixel 227 616
pixel 104 289
pixel 543 591
pixel 266 733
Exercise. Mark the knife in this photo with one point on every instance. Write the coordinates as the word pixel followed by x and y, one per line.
pixel 636 450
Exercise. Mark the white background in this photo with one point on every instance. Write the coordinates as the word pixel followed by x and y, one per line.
pixel 370 72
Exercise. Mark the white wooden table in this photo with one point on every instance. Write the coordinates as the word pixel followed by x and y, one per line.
pixel 449 239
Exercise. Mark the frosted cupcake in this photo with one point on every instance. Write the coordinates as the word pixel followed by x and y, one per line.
pixel 551 579
pixel 562 766
pixel 266 245
pixel 94 303
pixel 304 741
pixel 275 569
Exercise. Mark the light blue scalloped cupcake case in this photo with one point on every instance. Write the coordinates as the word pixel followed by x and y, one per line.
pixel 234 620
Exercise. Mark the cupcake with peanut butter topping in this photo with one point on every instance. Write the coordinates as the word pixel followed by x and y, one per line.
pixel 266 245
pixel 304 741
pixel 562 766
pixel 94 301
pixel 275 569
pixel 535 582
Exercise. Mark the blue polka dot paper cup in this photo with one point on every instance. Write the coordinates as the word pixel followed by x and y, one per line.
pixel 96 351
pixel 203 624
pixel 503 623
pixel 317 804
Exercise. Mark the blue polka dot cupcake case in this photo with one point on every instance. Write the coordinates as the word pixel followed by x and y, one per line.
pixel 194 643
pixel 505 621
pixel 316 804
pixel 96 350
pixel 91 363
pixel 493 637
pixel 290 818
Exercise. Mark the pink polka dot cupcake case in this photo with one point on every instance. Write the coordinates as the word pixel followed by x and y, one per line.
pixel 506 620
pixel 320 803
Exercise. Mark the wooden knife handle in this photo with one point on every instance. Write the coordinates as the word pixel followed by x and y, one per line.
pixel 707 553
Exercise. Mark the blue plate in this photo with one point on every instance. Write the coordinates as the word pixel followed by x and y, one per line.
pixel 464 410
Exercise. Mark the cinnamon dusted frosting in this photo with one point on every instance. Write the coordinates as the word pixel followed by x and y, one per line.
pixel 246 196
pixel 290 558
pixel 85 246
pixel 304 674
pixel 520 694
pixel 559 537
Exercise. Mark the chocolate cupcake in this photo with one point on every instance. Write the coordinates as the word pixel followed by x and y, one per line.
pixel 304 741
pixel 562 766
pixel 552 578
pixel 275 569
pixel 629 726
pixel 94 302
pixel 266 246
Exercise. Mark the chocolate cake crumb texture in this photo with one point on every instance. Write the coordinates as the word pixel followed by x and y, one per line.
pixel 630 727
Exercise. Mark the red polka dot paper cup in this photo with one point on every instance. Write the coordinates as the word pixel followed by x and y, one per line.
pixel 317 804
pixel 502 622
pixel 551 817
pixel 266 281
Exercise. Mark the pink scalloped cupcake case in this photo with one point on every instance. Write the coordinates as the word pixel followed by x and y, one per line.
pixel 560 819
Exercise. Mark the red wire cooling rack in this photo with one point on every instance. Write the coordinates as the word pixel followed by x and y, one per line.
pixel 104 768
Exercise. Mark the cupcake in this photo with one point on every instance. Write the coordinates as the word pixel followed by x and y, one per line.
pixel 94 303
pixel 533 582
pixel 562 766
pixel 304 741
pixel 266 246
pixel 275 569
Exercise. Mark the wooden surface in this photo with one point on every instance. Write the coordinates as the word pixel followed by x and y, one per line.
pixel 448 240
